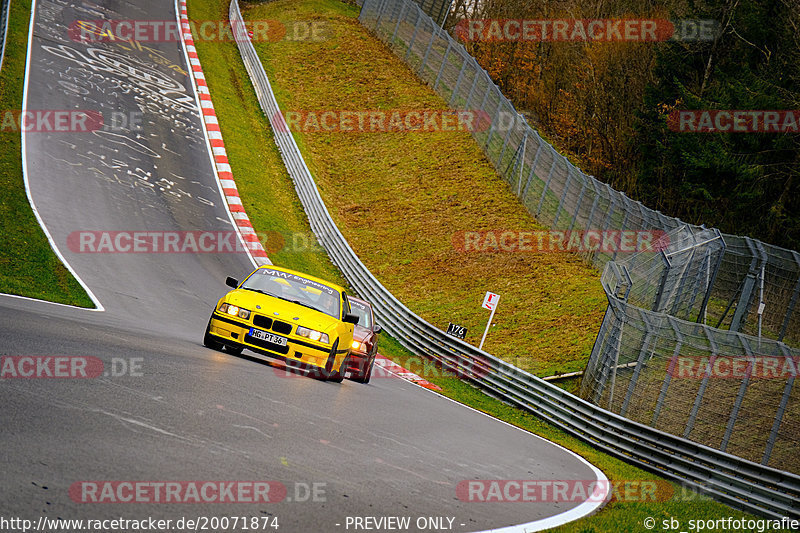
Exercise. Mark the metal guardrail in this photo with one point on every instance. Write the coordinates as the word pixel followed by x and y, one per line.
pixel 5 13
pixel 732 480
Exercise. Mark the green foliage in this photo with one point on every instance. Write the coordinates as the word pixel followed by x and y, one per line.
pixel 740 182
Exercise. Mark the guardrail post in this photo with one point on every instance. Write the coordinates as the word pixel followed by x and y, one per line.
pixel 703 386
pixel 787 391
pixel 668 371
pixel 793 302
pixel 737 404
pixel 639 362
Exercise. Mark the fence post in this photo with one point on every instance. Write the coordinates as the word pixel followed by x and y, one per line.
pixel 682 283
pixel 707 296
pixel 703 386
pixel 521 161
pixel 458 83
pixel 413 35
pixel 662 285
pixel 590 219
pixel 591 379
pixel 740 395
pixel 787 391
pixel 578 204
pixel 547 183
pixel 381 10
pixel 399 19
pixel 793 301
pixel 670 368
pixel 474 82
pixel 533 168
pixel 749 283
pixel 563 195
pixel 639 361
pixel 505 143
pixel 434 34
pixel 441 68
pixel 625 207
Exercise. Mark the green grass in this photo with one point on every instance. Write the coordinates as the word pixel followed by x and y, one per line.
pixel 272 205
pixel 401 198
pixel 28 266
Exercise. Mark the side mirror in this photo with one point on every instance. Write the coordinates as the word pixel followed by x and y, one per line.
pixel 350 318
pixel 376 329
pixel 232 282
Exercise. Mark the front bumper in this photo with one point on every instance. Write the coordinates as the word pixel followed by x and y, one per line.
pixel 235 332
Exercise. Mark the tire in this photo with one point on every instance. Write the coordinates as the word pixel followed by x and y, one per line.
pixel 366 373
pixel 209 341
pixel 326 373
pixel 338 376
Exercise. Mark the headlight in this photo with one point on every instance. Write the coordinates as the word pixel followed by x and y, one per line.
pixel 232 310
pixel 358 346
pixel 313 334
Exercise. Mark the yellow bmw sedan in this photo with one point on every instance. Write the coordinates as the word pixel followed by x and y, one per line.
pixel 289 315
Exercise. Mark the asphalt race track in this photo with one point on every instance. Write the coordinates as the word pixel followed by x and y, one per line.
pixel 165 408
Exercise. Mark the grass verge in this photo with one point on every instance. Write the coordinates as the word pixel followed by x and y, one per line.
pixel 268 193
pixel 403 199
pixel 28 266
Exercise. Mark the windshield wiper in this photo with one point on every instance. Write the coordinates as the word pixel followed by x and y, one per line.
pixel 260 291
pixel 304 305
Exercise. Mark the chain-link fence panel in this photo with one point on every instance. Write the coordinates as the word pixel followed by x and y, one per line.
pixel 679 294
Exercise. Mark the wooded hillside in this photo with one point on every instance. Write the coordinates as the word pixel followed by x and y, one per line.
pixel 606 104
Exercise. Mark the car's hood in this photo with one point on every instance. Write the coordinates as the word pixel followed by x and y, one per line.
pixel 361 333
pixel 275 308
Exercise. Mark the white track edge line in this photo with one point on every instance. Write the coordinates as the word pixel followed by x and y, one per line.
pixel 53 245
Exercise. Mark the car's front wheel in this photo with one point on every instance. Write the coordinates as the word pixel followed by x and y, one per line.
pixel 338 376
pixel 208 339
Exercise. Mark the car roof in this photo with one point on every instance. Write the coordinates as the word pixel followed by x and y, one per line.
pixel 304 275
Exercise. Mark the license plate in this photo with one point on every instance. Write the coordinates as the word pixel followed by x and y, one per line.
pixel 269 337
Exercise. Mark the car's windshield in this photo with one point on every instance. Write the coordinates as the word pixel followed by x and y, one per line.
pixel 362 311
pixel 296 289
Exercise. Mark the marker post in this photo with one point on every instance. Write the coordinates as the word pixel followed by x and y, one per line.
pixel 489 302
